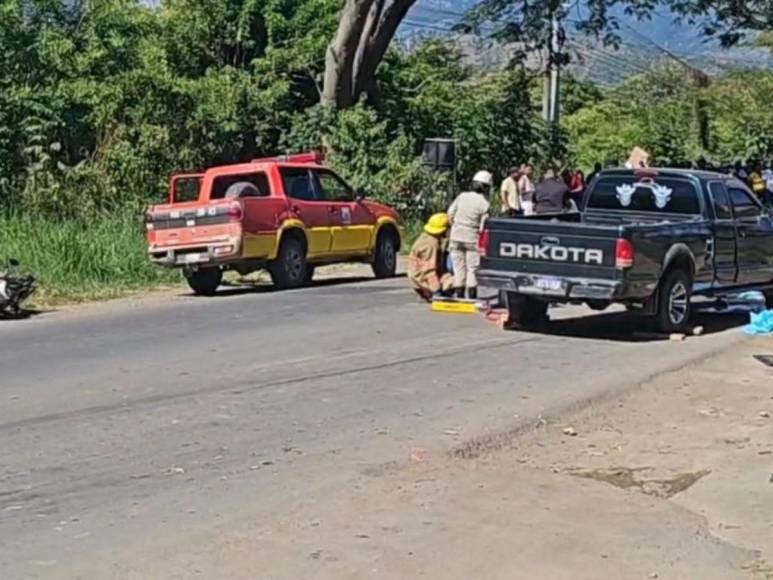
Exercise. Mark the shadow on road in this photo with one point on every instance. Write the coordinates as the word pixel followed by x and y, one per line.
pixel 628 327
pixel 239 288
pixel 25 314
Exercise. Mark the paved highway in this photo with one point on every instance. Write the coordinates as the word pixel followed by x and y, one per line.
pixel 142 438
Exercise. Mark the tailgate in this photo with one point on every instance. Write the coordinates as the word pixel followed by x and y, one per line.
pixel 566 250
pixel 193 232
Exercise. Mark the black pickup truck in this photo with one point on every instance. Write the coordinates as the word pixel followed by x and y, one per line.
pixel 649 239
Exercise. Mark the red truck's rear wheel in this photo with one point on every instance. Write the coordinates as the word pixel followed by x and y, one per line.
pixel 289 270
pixel 385 260
pixel 204 281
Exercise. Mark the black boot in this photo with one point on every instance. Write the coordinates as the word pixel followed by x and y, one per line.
pixel 459 292
pixel 472 293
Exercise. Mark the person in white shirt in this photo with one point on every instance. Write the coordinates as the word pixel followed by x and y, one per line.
pixel 468 214
pixel 767 175
pixel 526 189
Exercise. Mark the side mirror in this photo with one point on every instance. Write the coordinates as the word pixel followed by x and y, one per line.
pixel 359 196
pixel 13 262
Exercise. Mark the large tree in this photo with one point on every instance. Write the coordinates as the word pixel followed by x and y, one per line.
pixel 365 29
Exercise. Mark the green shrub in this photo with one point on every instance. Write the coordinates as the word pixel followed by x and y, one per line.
pixel 80 259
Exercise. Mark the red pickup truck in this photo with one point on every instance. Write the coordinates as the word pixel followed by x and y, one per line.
pixel 284 214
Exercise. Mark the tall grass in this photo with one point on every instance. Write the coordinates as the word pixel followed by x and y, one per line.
pixel 413 229
pixel 82 259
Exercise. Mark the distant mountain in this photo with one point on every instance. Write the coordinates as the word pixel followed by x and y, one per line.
pixel 643 44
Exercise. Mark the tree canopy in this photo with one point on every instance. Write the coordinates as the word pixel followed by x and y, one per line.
pixel 100 101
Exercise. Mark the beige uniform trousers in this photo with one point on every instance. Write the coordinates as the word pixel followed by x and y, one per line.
pixel 466 261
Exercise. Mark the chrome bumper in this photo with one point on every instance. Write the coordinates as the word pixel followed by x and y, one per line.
pixel 570 288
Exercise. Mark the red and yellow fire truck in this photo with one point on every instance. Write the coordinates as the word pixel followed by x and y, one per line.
pixel 284 214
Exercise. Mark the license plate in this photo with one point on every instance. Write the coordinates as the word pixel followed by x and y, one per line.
pixel 553 285
pixel 193 258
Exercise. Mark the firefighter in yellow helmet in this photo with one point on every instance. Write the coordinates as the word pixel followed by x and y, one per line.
pixel 426 262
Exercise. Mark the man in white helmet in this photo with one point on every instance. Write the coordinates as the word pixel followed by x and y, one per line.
pixel 468 213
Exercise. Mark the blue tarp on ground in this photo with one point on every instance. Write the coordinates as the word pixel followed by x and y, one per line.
pixel 761 323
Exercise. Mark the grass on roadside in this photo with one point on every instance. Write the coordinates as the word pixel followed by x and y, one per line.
pixel 413 229
pixel 99 258
pixel 102 257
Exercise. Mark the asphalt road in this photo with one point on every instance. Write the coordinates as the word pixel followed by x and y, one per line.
pixel 141 437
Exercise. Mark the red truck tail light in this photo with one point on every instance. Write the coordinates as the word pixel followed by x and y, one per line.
pixel 224 250
pixel 623 254
pixel 483 241
pixel 235 213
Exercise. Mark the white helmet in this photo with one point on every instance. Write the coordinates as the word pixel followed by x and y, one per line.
pixel 484 177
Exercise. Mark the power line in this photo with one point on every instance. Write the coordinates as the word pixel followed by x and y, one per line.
pixel 421 8
pixel 664 50
pixel 611 58
pixel 426 26
pixel 595 53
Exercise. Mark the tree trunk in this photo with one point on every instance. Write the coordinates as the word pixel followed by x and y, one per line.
pixel 376 44
pixel 338 88
pixel 364 32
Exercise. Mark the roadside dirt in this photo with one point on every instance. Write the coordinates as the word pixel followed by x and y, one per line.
pixel 233 283
pixel 673 480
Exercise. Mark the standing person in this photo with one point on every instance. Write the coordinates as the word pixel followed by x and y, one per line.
pixel 526 188
pixel 552 195
pixel 509 193
pixel 426 262
pixel 739 171
pixel 577 187
pixel 755 180
pixel 638 158
pixel 468 213
pixel 597 168
pixel 767 175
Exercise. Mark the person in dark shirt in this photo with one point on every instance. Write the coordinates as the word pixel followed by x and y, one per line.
pixel 552 195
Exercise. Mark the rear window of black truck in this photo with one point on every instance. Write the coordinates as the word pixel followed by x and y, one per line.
pixel 632 193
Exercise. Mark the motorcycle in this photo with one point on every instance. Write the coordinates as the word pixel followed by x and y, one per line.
pixel 14 289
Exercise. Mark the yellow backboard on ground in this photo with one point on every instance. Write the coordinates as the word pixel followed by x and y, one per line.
pixel 454 306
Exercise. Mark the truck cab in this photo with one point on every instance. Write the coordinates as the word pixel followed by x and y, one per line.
pixel 284 214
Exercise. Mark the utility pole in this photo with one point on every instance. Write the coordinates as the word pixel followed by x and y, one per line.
pixel 551 104
pixel 551 101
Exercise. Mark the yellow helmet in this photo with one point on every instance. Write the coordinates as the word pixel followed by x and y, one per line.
pixel 437 224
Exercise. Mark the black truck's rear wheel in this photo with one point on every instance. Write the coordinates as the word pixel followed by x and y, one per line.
pixel 204 281
pixel 674 294
pixel 526 311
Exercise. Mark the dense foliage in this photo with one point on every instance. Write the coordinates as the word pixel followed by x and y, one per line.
pixel 100 101
pixel 658 111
